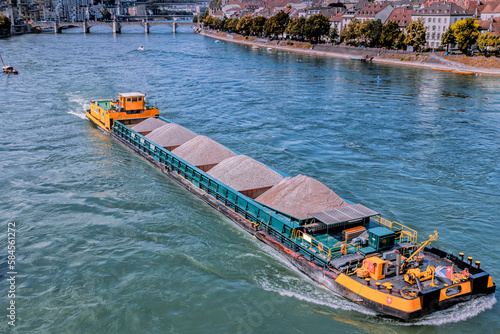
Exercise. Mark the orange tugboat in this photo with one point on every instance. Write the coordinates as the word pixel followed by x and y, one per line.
pixel 8 69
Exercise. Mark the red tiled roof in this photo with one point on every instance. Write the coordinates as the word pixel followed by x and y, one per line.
pixel 337 18
pixel 402 16
pixel 371 10
pixel 492 26
pixel 462 3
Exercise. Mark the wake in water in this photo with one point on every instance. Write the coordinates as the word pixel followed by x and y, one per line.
pixel 77 114
pixel 82 104
pixel 456 313
pixel 290 286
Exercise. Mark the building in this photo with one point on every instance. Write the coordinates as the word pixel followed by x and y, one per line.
pixel 402 16
pixel 373 12
pixel 437 19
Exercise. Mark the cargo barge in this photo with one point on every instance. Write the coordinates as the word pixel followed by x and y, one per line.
pixel 346 247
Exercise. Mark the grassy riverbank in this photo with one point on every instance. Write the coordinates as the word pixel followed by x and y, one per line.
pixel 477 65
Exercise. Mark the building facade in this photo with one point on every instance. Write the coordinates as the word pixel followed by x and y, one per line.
pixel 438 17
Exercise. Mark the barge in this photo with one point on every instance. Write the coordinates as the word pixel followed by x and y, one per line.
pixel 346 247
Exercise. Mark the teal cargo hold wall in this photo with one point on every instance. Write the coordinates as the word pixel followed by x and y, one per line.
pixel 240 203
pixel 275 223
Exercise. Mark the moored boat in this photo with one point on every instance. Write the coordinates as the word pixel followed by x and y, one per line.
pixel 8 69
pixel 344 246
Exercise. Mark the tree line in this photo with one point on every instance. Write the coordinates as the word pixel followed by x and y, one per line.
pixel 312 29
pixel 464 33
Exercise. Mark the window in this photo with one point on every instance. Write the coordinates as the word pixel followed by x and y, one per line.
pixel 129 99
pixel 439 20
pixel 434 28
pixel 139 98
pixel 134 99
pixel 438 35
pixel 429 20
pixel 434 20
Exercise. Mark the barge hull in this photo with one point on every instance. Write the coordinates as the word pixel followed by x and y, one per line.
pixel 320 275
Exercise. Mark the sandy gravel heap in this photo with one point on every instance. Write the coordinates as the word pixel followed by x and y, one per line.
pixel 171 134
pixel 202 150
pixel 149 125
pixel 243 173
pixel 300 195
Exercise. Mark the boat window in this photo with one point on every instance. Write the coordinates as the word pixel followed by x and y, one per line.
pixel 129 99
pixel 139 98
pixel 134 99
pixel 453 290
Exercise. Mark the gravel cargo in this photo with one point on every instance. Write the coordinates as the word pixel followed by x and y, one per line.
pixel 202 150
pixel 149 125
pixel 300 195
pixel 171 135
pixel 243 173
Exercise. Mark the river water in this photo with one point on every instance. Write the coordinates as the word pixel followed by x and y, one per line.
pixel 107 244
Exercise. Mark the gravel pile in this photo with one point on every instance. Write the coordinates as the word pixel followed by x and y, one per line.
pixel 299 196
pixel 243 173
pixel 149 125
pixel 171 135
pixel 202 150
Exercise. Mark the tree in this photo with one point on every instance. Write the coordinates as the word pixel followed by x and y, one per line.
pixel 276 25
pixel 232 24
pixel 371 32
pixel 295 28
pixel 316 26
pixel 211 22
pixel 333 34
pixel 351 33
pixel 486 41
pixel 466 33
pixel 258 24
pixel 448 37
pixel 400 42
pixel 415 34
pixel 4 24
pixel 390 34
pixel 245 25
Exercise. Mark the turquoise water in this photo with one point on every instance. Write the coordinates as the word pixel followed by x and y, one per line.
pixel 107 244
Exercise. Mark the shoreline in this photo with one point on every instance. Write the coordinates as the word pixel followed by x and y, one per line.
pixel 431 61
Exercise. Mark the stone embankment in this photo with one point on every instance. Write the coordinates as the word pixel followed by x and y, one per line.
pixel 436 61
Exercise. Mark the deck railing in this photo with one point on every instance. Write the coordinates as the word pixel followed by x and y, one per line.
pixel 403 232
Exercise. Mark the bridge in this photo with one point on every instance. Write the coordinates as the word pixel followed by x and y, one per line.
pixel 115 25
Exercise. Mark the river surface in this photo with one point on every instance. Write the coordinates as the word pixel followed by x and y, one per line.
pixel 108 244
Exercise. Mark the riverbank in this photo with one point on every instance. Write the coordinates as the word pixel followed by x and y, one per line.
pixel 438 62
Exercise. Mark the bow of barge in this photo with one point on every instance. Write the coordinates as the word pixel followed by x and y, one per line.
pixel 349 249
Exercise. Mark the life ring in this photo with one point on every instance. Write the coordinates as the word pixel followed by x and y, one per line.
pixel 343 249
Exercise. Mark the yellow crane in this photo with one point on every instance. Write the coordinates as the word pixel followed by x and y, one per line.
pixel 431 238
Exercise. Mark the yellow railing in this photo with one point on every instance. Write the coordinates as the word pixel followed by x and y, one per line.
pixel 402 230
pixel 329 252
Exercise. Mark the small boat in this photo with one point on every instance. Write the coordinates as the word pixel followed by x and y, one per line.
pixel 441 70
pixel 141 48
pixel 269 49
pixel 217 41
pixel 8 69
pixel 463 72
pixel 366 58
pixel 255 47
